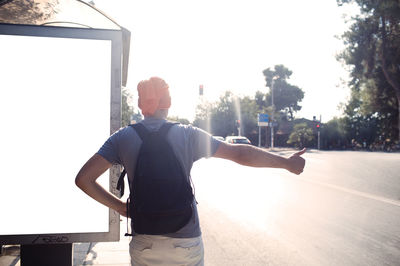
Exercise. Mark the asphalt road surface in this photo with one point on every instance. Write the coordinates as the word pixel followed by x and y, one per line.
pixel 343 210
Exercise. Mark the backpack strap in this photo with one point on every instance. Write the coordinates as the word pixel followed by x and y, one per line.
pixel 141 130
pixel 121 184
pixel 165 128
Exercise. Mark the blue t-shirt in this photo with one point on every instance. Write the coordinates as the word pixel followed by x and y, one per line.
pixel 189 144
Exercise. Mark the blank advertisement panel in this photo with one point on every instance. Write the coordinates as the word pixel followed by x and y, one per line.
pixel 56 102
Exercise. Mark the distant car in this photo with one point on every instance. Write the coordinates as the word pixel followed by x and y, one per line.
pixel 219 138
pixel 237 140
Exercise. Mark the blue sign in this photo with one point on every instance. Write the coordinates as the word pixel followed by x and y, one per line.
pixel 263 118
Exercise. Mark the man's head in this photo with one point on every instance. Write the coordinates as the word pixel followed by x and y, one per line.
pixel 154 98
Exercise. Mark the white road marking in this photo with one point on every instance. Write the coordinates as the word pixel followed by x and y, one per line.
pixel 354 192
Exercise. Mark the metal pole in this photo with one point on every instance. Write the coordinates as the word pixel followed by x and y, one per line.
pixel 319 133
pixel 319 140
pixel 259 136
pixel 272 115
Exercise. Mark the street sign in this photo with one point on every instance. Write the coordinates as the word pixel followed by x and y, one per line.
pixel 263 120
pixel 268 124
pixel 273 124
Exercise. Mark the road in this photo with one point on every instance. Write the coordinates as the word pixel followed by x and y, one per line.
pixel 343 210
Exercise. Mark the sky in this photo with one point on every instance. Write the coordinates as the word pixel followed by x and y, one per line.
pixel 225 45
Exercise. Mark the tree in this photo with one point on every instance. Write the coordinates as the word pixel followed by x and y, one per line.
pixel 248 118
pixel 286 96
pixel 202 116
pixel 373 52
pixel 222 116
pixel 137 116
pixel 219 118
pixel 28 12
pixel 127 111
pixel 333 134
pixel 179 120
pixel 301 135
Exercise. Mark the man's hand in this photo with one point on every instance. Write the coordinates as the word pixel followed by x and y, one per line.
pixel 296 162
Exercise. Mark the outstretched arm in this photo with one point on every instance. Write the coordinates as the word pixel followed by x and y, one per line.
pixel 86 180
pixel 252 156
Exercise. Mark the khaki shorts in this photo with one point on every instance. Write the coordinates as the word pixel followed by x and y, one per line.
pixel 160 250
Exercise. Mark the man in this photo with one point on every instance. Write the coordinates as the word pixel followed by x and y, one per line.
pixel 185 246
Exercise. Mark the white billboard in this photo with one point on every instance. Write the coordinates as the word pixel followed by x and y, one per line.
pixel 56 102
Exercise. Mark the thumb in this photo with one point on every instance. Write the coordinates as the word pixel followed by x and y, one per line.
pixel 300 152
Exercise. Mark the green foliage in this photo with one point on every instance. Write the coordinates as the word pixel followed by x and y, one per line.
pixel 249 111
pixel 334 134
pixel 28 12
pixel 179 120
pixel 137 116
pixel 286 96
pixel 373 53
pixel 223 116
pixel 219 118
pixel 301 135
pixel 127 112
pixel 261 102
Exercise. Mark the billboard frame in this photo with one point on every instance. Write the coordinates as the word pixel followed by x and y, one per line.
pixel 116 38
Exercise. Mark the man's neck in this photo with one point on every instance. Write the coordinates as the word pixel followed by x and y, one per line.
pixel 159 114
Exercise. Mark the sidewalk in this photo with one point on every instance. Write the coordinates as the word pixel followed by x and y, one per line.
pixel 9 255
pixel 104 253
pixel 96 253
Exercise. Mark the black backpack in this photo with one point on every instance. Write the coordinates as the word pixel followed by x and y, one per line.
pixel 161 197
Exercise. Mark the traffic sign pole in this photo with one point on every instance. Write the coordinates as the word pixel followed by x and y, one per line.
pixel 273 111
pixel 262 122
